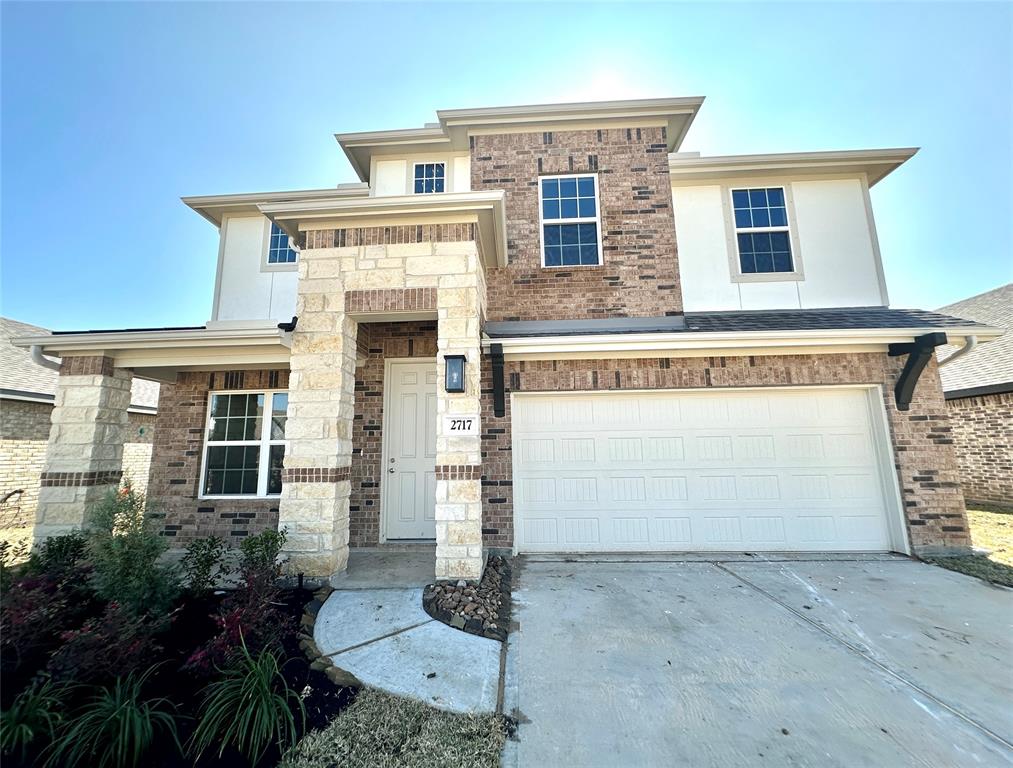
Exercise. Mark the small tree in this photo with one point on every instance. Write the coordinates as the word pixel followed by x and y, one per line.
pixel 203 563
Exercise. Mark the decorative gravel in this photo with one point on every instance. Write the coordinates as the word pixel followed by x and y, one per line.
pixel 481 609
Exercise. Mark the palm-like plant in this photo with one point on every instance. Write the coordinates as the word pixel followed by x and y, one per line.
pixel 249 708
pixel 32 718
pixel 115 727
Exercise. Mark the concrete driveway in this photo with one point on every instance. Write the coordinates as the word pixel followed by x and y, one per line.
pixel 749 661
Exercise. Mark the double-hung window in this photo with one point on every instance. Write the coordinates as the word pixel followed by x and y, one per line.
pixel 278 249
pixel 245 446
pixel 762 233
pixel 571 224
pixel 430 177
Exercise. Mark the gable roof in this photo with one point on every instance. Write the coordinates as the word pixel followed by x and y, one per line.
pixel 21 378
pixel 990 365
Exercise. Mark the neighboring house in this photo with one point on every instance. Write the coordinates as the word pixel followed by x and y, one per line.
pixel 978 387
pixel 540 329
pixel 27 393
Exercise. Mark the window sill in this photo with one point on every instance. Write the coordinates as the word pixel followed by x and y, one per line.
pixel 574 266
pixel 769 277
pixel 239 498
pixel 291 266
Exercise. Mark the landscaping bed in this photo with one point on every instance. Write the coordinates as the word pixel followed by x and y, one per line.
pixel 110 657
pixel 480 609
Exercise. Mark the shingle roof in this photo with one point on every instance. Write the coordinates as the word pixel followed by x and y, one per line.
pixel 990 364
pixel 18 373
pixel 852 318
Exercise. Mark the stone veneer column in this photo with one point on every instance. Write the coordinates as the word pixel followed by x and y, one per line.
pixel 459 456
pixel 315 481
pixel 84 459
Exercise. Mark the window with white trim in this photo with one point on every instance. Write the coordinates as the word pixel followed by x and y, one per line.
pixel 762 234
pixel 430 177
pixel 571 225
pixel 278 249
pixel 245 444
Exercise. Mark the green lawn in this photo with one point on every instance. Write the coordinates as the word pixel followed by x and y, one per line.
pixel 992 530
pixel 383 731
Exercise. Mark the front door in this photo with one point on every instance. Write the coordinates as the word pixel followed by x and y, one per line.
pixel 409 456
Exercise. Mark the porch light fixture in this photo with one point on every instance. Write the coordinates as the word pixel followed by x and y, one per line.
pixel 454 380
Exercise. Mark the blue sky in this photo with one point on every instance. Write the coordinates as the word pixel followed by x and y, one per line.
pixel 111 112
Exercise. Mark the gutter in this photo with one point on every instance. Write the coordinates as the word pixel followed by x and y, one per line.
pixel 39 359
pixel 970 343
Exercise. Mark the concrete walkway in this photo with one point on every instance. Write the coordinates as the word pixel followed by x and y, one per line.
pixel 383 637
pixel 860 661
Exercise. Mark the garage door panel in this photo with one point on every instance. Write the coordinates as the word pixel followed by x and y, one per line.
pixel 682 471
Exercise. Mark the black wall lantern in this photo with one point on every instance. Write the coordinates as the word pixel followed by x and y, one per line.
pixel 454 373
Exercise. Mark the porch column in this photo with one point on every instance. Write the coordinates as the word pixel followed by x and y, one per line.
pixel 315 481
pixel 458 435
pixel 84 459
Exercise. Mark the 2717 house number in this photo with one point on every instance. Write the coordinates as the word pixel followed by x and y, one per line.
pixel 466 425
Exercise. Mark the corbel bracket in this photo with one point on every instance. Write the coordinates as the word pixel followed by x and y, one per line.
pixel 918 352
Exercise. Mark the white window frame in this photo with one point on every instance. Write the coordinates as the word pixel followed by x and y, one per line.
pixel 264 443
pixel 278 266
pixel 734 257
pixel 417 163
pixel 596 220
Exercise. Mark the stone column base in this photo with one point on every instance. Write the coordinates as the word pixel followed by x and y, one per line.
pixel 315 521
pixel 458 527
pixel 64 508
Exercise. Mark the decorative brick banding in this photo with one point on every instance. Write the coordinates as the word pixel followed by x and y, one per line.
pixel 79 479
pixel 95 365
pixel 417 233
pixel 315 474
pixel 459 472
pixel 391 300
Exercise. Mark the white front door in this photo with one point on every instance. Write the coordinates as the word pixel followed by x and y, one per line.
pixel 765 469
pixel 409 456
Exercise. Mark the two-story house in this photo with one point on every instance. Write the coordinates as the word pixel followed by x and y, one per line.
pixel 537 329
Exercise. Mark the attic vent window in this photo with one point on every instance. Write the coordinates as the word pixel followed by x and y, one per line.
pixel 429 177
pixel 279 251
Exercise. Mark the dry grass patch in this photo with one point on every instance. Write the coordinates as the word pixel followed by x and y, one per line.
pixel 991 529
pixel 383 731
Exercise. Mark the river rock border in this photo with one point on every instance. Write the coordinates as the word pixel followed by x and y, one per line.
pixel 319 661
pixel 480 609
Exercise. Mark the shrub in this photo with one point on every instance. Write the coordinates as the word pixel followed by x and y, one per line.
pixel 32 719
pixel 34 613
pixel 202 563
pixel 245 619
pixel 59 556
pixel 249 708
pixel 114 644
pixel 124 550
pixel 259 563
pixel 115 726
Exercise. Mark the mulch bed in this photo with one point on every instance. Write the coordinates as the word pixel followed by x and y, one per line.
pixel 479 609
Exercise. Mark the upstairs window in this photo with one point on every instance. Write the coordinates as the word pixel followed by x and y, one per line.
pixel 245 446
pixel 761 231
pixel 278 250
pixel 429 177
pixel 571 225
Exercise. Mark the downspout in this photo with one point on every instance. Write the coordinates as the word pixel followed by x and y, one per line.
pixel 970 342
pixel 45 362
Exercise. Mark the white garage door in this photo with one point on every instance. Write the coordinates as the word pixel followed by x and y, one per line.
pixel 737 470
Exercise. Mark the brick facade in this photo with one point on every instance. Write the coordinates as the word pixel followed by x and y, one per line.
pixel 24 436
pixel 983 436
pixel 176 460
pixel 922 438
pixel 639 274
pixel 379 342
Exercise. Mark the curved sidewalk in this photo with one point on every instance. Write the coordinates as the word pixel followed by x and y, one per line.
pixel 385 639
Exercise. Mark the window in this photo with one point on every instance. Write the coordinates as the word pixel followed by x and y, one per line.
pixel 761 230
pixel 429 177
pixel 571 235
pixel 245 447
pixel 278 250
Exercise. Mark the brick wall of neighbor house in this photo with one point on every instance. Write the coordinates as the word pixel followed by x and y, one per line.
pixel 24 435
pixel 983 435
pixel 922 436
pixel 176 461
pixel 639 274
pixel 377 342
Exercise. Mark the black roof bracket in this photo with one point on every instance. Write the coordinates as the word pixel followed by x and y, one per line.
pixel 918 352
pixel 289 326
